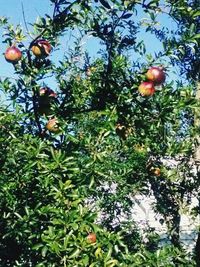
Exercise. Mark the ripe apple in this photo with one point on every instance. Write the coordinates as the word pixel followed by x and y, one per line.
pixel 146 88
pixel 156 75
pixel 155 171
pixel 47 92
pixel 46 96
pixel 92 238
pixel 41 48
pixel 13 54
pixel 52 125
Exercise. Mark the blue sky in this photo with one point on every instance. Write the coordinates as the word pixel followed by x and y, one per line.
pixel 13 10
pixel 34 8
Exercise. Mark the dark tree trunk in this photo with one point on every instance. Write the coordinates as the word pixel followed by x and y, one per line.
pixel 175 233
pixel 197 160
pixel 197 251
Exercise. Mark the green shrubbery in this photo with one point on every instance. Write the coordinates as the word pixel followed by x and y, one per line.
pixel 57 187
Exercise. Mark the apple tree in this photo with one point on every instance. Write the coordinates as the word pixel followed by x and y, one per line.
pixel 82 135
pixel 182 48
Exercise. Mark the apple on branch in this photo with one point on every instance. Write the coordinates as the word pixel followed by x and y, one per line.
pixel 92 238
pixel 155 171
pixel 146 88
pixel 41 48
pixel 13 54
pixel 156 75
pixel 46 97
pixel 53 125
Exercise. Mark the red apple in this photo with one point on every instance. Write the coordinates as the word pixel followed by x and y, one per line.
pixel 52 125
pixel 46 98
pixel 146 88
pixel 47 92
pixel 156 75
pixel 155 171
pixel 92 238
pixel 41 48
pixel 13 54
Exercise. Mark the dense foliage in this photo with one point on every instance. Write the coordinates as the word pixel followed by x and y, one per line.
pixel 80 175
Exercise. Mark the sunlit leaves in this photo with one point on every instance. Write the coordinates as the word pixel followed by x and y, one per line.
pixel 56 189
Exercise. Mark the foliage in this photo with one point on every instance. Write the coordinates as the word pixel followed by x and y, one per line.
pixel 56 188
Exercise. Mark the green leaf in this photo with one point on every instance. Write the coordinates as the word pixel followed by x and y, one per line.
pixel 75 253
pixel 196 36
pixel 105 4
pixel 196 14
pixel 127 16
pixel 37 246
pixel 44 251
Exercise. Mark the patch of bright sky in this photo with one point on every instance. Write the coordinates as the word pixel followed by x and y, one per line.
pixel 153 45
pixel 12 9
pixel 34 8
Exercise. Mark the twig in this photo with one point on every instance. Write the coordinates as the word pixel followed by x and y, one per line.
pixel 25 23
pixel 55 8
pixel 34 98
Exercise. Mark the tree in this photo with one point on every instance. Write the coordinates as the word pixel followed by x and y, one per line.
pixel 190 25
pixel 185 45
pixel 80 173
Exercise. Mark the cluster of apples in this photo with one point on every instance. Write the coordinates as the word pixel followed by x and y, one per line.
pixel 40 48
pixel 46 97
pixel 155 76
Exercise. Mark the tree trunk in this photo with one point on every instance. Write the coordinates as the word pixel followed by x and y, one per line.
pixel 197 251
pixel 197 123
pixel 197 161
pixel 175 234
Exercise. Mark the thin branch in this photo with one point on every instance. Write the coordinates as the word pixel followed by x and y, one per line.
pixel 37 120
pixel 55 8
pixel 25 23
